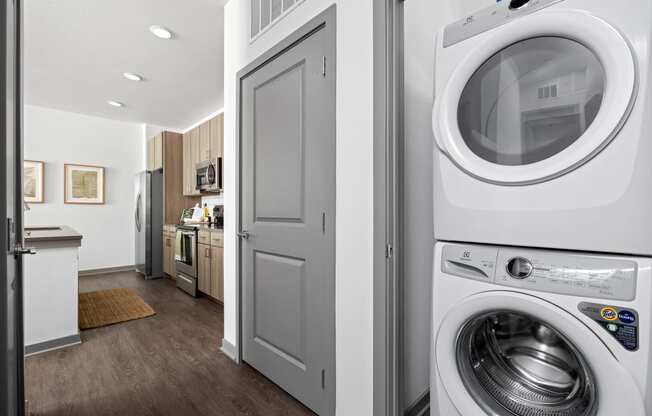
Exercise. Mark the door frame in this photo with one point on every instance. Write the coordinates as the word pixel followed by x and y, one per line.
pixel 326 18
pixel 17 224
pixel 388 394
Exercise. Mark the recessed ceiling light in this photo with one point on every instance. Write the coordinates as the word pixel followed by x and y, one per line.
pixel 132 77
pixel 160 32
pixel 115 103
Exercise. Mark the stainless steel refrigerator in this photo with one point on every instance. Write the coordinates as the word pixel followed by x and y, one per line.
pixel 148 215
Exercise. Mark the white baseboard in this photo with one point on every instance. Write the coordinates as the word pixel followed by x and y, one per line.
pixel 230 350
pixel 106 270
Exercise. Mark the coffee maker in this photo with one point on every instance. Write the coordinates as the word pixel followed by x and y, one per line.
pixel 218 216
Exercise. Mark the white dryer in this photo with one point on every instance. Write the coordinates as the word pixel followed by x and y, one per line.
pixel 540 333
pixel 543 126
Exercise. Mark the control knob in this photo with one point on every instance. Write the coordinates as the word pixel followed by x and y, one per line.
pixel 517 4
pixel 519 268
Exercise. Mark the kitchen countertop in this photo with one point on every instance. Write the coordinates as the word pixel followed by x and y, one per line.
pixel 205 227
pixel 55 234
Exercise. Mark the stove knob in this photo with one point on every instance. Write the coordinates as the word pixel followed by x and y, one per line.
pixel 519 268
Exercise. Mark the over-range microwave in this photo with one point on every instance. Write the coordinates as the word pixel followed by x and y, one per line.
pixel 209 175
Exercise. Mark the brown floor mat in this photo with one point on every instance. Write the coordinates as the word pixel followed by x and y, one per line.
pixel 107 307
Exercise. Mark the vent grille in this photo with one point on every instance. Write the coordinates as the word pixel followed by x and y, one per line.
pixel 264 13
pixel 548 91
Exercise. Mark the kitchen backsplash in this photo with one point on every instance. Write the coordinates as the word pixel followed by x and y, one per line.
pixel 212 201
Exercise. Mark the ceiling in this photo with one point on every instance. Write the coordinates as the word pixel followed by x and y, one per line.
pixel 77 50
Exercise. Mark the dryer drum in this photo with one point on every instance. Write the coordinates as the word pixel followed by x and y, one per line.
pixel 513 364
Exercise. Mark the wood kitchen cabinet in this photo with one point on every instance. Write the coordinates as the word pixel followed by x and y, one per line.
pixel 217 273
pixel 210 264
pixel 191 156
pixel 204 268
pixel 187 189
pixel 204 142
pixel 155 152
pixel 169 264
pixel 165 151
pixel 216 127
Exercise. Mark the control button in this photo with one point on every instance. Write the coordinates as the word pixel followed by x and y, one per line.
pixel 517 4
pixel 519 268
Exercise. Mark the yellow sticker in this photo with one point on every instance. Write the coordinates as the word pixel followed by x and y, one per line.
pixel 608 313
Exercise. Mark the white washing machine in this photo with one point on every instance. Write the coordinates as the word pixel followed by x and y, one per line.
pixel 522 332
pixel 543 126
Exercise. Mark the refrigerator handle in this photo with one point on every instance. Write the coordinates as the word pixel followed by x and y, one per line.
pixel 138 225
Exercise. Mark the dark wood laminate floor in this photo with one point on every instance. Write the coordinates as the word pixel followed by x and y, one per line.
pixel 168 364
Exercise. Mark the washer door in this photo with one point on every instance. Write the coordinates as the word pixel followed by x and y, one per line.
pixel 505 354
pixel 541 97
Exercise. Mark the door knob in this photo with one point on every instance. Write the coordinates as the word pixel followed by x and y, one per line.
pixel 244 234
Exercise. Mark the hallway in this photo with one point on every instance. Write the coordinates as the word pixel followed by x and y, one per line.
pixel 168 364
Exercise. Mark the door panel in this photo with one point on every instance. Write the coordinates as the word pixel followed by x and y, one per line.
pixel 279 290
pixel 278 146
pixel 288 208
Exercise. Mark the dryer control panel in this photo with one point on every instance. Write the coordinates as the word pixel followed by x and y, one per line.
pixel 586 275
pixel 490 18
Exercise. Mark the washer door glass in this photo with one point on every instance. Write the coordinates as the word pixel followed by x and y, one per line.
pixel 531 100
pixel 513 364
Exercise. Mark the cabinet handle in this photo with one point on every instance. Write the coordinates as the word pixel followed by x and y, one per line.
pixel 207 252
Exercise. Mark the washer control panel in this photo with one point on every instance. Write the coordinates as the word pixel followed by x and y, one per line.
pixel 586 275
pixel 490 18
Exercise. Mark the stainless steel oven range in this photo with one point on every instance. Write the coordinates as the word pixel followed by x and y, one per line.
pixel 185 255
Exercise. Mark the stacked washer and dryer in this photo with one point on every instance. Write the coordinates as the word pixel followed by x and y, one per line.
pixel 542 294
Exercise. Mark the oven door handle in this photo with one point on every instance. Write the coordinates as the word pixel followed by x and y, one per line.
pixel 182 277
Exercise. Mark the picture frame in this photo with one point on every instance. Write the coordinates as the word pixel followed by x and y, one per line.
pixel 33 179
pixel 83 184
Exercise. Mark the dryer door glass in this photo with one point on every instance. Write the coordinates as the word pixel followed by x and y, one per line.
pixel 514 364
pixel 531 100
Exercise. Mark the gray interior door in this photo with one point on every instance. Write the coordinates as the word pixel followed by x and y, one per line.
pixel 288 218
pixel 11 313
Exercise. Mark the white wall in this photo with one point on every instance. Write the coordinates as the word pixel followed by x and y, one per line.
pixel 423 18
pixel 354 210
pixel 58 137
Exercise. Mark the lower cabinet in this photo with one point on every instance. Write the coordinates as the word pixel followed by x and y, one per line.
pixel 169 264
pixel 210 264
pixel 204 268
pixel 217 273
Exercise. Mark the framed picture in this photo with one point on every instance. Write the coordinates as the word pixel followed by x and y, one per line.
pixel 83 184
pixel 33 181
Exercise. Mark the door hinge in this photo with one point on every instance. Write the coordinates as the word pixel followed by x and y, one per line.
pixel 323 223
pixel 11 235
pixel 323 379
pixel 323 68
pixel 389 251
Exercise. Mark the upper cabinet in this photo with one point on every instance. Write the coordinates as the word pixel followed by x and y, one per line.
pixel 166 151
pixel 216 127
pixel 155 152
pixel 205 142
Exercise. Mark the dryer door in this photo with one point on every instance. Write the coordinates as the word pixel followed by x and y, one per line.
pixel 505 353
pixel 541 97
